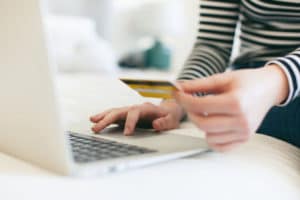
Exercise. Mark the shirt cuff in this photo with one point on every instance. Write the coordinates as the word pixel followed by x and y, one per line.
pixel 290 64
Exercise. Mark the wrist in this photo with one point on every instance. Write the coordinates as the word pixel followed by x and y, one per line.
pixel 280 82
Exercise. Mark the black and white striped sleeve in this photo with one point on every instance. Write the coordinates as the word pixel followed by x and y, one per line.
pixel 291 66
pixel 212 50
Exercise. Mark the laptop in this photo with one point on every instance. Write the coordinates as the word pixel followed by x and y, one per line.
pixel 31 126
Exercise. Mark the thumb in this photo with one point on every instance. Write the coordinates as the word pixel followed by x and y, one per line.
pixel 212 84
pixel 164 123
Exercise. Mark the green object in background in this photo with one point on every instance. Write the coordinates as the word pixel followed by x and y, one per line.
pixel 159 56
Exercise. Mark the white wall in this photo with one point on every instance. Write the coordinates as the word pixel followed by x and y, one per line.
pixel 181 44
pixel 99 10
pixel 111 16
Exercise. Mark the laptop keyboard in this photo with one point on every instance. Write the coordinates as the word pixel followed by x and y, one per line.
pixel 90 149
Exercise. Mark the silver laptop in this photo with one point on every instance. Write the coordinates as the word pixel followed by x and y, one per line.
pixel 31 126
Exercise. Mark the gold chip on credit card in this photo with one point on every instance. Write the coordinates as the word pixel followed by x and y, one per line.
pixel 151 88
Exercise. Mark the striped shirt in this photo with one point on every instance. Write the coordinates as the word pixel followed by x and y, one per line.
pixel 269 32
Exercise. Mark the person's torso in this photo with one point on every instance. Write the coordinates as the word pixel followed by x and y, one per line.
pixel 269 29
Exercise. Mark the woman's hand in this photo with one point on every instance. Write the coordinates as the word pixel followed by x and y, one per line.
pixel 163 117
pixel 238 102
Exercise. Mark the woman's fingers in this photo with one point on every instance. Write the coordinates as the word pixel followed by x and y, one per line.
pixel 132 118
pixel 226 146
pixel 214 84
pixel 110 118
pixel 224 137
pixel 212 104
pixel 151 111
pixel 165 123
pixel 214 123
pixel 171 122
pixel 143 113
pixel 158 124
pixel 98 117
pixel 222 132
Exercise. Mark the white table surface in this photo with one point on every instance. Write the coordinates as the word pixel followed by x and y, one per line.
pixel 264 168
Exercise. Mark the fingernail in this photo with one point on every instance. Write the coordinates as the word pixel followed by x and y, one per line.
pixel 126 131
pixel 94 129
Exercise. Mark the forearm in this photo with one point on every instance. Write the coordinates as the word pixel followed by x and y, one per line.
pixel 279 84
pixel 205 61
pixel 290 66
pixel 212 50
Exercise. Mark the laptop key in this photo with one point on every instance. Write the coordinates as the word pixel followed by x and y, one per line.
pixel 90 149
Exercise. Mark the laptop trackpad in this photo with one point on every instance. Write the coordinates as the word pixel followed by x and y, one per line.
pixel 117 132
pixel 151 139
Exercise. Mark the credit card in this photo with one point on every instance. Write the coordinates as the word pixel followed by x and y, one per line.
pixel 151 88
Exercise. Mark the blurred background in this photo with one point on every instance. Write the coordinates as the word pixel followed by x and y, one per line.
pixel 122 37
